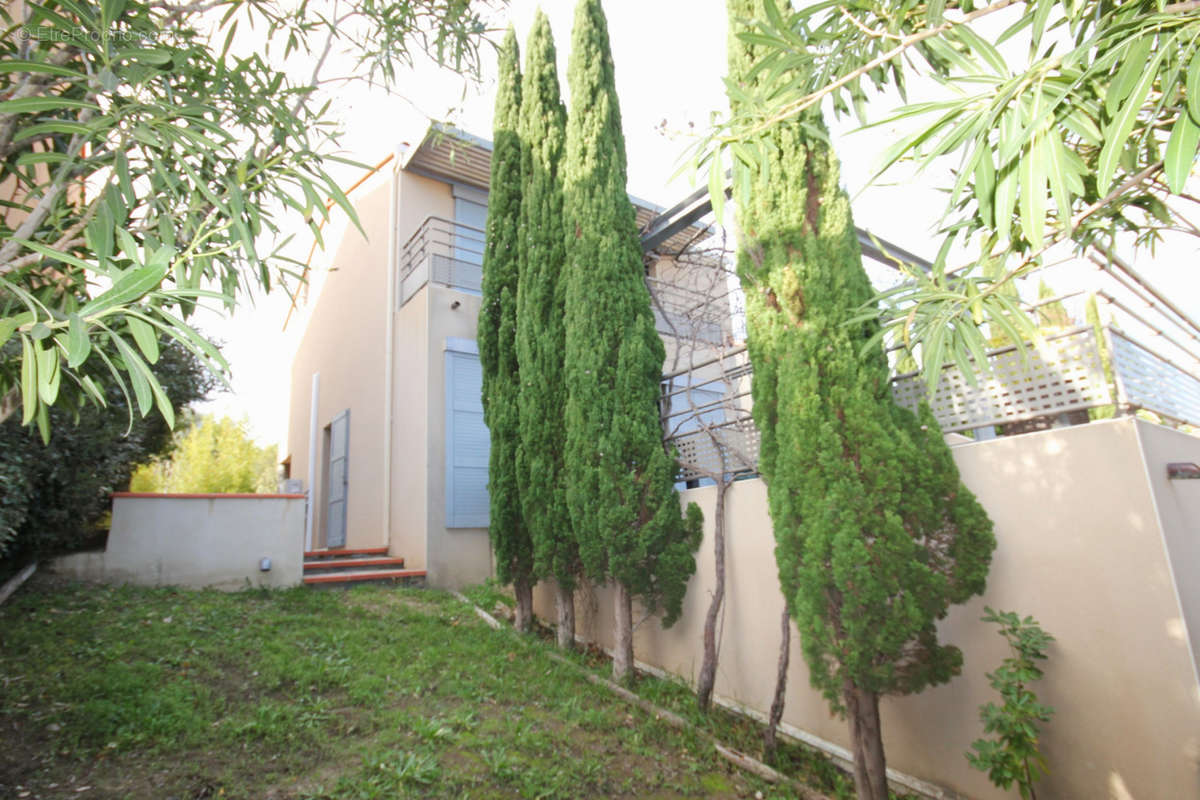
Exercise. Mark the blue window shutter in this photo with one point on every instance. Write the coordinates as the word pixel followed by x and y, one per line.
pixel 467 440
pixel 468 242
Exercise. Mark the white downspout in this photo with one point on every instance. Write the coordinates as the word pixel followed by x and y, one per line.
pixel 312 460
pixel 389 377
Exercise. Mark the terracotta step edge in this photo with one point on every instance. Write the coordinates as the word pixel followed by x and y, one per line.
pixel 329 563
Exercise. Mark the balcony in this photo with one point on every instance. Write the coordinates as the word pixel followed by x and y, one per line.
pixel 706 409
pixel 444 252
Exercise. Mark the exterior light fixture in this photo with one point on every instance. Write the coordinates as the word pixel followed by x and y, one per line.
pixel 455 304
pixel 1183 470
pixel 264 565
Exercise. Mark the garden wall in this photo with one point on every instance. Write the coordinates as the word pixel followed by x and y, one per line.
pixel 1081 547
pixel 198 540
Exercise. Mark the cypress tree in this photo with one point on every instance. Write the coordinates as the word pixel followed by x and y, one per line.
pixel 540 333
pixel 497 340
pixel 620 493
pixel 875 535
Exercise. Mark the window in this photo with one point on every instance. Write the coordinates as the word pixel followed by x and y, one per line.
pixel 470 217
pixel 467 439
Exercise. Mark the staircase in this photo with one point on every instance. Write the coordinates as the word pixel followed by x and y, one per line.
pixel 347 567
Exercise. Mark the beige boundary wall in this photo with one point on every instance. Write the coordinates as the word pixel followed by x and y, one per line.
pixel 1080 547
pixel 198 541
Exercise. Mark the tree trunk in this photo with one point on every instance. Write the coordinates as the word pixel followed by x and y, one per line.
pixel 565 602
pixel 622 633
pixel 9 403
pixel 523 589
pixel 785 651
pixel 866 741
pixel 708 667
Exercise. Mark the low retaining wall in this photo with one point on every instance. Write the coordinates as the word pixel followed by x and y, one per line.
pixel 198 540
pixel 1082 534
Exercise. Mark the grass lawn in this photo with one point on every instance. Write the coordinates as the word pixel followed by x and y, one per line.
pixel 300 694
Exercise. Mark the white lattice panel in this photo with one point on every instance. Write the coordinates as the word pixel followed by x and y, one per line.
pixel 1156 385
pixel 700 456
pixel 1066 375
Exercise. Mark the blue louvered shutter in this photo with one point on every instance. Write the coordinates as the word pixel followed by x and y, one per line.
pixel 467 440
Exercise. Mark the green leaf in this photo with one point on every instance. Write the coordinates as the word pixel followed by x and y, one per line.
pixel 43 129
pixel 1116 135
pixel 1006 196
pixel 49 374
pixel 984 48
pixel 985 182
pixel 8 326
pixel 28 380
pixel 1132 68
pixel 43 423
pixel 1033 197
pixel 131 286
pixel 125 179
pixel 161 400
pixel 137 370
pixel 145 336
pixel 58 255
pixel 1056 172
pixel 1181 151
pixel 79 344
pixel 27 105
pixel 1040 15
pixel 1193 87
pixel 716 188
pixel 17 65
pixel 93 391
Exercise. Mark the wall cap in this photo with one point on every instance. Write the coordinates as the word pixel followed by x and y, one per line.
pixel 209 496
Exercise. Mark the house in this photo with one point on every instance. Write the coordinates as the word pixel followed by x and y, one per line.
pixel 1098 524
pixel 385 421
pixel 385 424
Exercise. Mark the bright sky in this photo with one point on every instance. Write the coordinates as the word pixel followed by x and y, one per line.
pixel 670 61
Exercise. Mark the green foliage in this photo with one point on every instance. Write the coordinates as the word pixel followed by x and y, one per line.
pixel 211 456
pixel 1086 135
pixel 498 327
pixel 620 493
pixel 540 333
pixel 1013 755
pixel 1092 316
pixel 53 495
pixel 149 154
pixel 876 536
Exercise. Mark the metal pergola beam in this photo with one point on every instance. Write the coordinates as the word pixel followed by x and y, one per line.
pixel 695 206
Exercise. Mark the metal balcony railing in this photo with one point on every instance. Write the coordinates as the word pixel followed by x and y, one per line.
pixel 441 251
pixel 706 409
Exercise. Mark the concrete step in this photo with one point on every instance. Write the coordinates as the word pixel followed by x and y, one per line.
pixel 336 564
pixel 344 552
pixel 407 577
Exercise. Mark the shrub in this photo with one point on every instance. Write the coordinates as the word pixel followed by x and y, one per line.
pixel 52 496
pixel 211 455
pixel 1013 755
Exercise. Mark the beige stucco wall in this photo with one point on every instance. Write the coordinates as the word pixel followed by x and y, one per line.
pixel 418 198
pixel 198 541
pixel 456 556
pixel 1178 505
pixel 1079 548
pixel 344 341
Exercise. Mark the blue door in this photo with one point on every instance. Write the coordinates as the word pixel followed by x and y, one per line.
pixel 339 477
